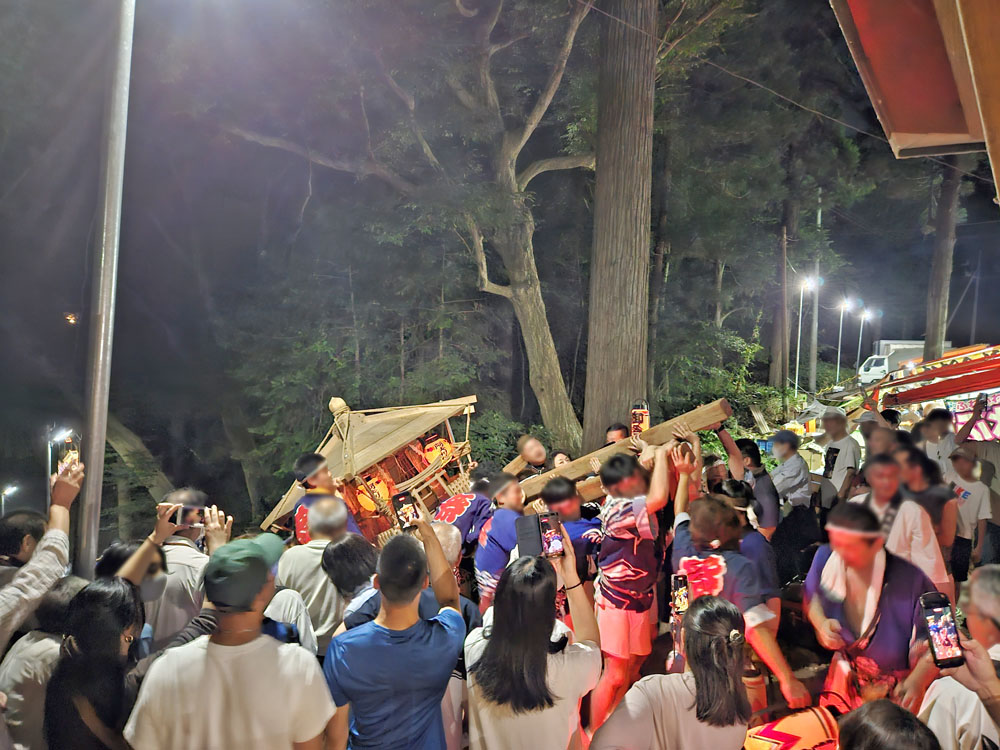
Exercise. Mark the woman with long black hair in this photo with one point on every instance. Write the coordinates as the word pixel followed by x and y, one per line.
pixel 525 677
pixel 705 707
pixel 85 700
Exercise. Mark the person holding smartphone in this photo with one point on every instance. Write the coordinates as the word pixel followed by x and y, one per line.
pixel 961 706
pixel 498 536
pixel 526 678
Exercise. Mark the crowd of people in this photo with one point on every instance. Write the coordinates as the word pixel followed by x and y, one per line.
pixel 448 637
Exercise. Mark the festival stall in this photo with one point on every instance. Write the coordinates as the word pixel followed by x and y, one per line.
pixel 380 452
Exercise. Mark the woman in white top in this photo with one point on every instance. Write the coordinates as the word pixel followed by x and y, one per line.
pixel 525 688
pixel 705 707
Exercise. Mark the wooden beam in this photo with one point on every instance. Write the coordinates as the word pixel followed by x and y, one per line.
pixel 697 419
pixel 981 29
pixel 954 44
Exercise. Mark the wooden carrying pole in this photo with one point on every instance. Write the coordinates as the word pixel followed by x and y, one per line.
pixel 698 419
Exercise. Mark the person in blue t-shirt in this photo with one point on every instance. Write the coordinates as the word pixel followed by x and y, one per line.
pixel 498 536
pixel 389 675
pixel 469 511
pixel 755 547
pixel 560 496
pixel 706 541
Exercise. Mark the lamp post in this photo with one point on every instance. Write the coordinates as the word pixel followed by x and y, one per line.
pixel 865 315
pixel 844 307
pixel 807 285
pixel 10 489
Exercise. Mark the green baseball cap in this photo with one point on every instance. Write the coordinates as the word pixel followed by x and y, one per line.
pixel 238 571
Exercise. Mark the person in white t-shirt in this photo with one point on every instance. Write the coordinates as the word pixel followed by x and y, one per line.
pixel 973 512
pixel 841 455
pixel 300 568
pixel 237 687
pixel 939 440
pixel 525 689
pixel 705 707
pixel 907 528
pixel 951 707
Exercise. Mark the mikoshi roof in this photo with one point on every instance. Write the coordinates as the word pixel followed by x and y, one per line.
pixel 362 438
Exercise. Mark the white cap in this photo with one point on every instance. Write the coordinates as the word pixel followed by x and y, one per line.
pixel 867 416
pixel 834 412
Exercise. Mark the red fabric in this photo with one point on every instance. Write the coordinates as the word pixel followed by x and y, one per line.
pixel 979 366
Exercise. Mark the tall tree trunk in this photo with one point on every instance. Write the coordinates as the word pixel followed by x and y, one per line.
pixel 136 456
pixel 356 334
pixel 661 257
pixel 619 270
pixel 236 427
pixel 514 244
pixel 779 341
pixel 720 270
pixel 944 252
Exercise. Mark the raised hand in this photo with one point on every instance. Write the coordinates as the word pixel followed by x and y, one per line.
pixel 218 529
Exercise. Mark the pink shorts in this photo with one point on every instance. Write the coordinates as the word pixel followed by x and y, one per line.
pixel 624 633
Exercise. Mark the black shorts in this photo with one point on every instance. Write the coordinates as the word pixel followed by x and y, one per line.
pixel 961 558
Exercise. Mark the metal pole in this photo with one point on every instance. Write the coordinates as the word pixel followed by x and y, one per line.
pixel 798 343
pixel 814 329
pixel 840 338
pixel 102 300
pixel 784 323
pixel 48 469
pixel 975 301
pixel 861 330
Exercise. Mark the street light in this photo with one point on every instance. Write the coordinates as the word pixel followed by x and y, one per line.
pixel 865 315
pixel 844 307
pixel 10 489
pixel 807 286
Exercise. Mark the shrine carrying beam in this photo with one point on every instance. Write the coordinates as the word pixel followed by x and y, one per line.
pixel 697 419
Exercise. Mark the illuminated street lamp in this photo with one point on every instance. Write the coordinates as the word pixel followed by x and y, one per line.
pixel 808 285
pixel 10 489
pixel 846 305
pixel 865 315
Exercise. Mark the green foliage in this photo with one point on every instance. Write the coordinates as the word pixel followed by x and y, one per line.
pixel 493 437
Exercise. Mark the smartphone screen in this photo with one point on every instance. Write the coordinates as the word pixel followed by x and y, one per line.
pixel 552 538
pixel 679 596
pixel 942 631
pixel 190 516
pixel 406 509
pixel 69 453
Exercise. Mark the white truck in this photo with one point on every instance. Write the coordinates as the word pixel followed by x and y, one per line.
pixel 890 354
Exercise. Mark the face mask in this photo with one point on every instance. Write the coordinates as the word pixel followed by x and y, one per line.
pixel 152 589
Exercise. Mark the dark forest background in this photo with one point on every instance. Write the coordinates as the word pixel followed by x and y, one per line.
pixel 318 202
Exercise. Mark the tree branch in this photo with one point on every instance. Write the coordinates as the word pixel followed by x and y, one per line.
pixel 575 161
pixel 361 168
pixel 411 105
pixel 666 49
pixel 465 12
pixel 478 253
pixel 515 141
pixel 498 46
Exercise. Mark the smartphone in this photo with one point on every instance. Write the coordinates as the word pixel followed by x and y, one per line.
pixel 679 596
pixel 69 453
pixel 406 509
pixel 190 516
pixel 639 420
pixel 538 534
pixel 941 630
pixel 552 538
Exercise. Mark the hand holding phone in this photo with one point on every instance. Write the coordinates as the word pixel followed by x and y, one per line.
pixel 680 597
pixel 942 632
pixel 407 512
pixel 553 544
